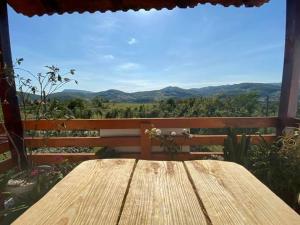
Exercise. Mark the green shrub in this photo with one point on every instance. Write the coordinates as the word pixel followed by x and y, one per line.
pixel 106 153
pixel 236 150
pixel 278 166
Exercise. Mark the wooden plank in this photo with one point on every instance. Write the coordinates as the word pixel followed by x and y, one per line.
pixel 160 193
pixel 194 122
pixel 232 195
pixel 291 70
pixel 180 156
pixel 81 141
pixel 129 141
pixel 214 139
pixel 293 122
pixel 53 158
pixel 8 94
pixel 2 131
pixel 4 147
pixel 91 194
pixel 145 141
pixel 6 165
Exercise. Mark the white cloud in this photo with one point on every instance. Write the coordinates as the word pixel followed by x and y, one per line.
pixel 106 23
pixel 128 66
pixel 132 41
pixel 108 57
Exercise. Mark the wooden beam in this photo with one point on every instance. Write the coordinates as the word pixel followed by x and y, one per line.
pixel 192 122
pixel 8 95
pixel 291 70
pixel 145 141
pixel 176 156
pixel 54 158
pixel 130 141
pixel 2 131
pixel 6 165
pixel 81 141
pixel 4 147
pixel 294 122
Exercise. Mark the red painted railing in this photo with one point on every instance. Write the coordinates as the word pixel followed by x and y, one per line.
pixel 140 139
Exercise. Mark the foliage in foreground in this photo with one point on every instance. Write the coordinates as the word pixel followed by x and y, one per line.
pixel 17 199
pixel 276 164
pixel 236 150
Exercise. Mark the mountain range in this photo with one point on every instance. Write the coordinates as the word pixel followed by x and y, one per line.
pixel 262 89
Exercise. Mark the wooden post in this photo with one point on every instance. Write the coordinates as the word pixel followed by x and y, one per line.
pixel 291 71
pixel 8 95
pixel 145 141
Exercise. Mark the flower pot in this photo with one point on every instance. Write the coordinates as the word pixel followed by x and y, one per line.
pixel 20 187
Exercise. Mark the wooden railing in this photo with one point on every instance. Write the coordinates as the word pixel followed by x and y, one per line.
pixel 4 148
pixel 141 139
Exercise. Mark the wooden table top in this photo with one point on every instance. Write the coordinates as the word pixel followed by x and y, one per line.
pixel 125 191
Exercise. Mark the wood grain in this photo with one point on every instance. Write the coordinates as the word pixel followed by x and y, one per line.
pixel 145 141
pixel 8 93
pixel 52 158
pixel 7 165
pixel 231 195
pixel 142 141
pixel 193 122
pixel 4 147
pixel 160 193
pixel 81 141
pixel 91 194
pixel 291 68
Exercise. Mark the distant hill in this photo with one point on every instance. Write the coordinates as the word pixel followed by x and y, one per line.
pixel 262 89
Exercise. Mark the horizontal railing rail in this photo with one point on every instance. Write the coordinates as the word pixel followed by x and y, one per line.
pixel 197 122
pixel 44 158
pixel 141 139
pixel 4 147
pixel 7 163
pixel 295 122
pixel 118 141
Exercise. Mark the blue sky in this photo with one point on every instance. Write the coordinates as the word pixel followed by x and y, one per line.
pixel 137 51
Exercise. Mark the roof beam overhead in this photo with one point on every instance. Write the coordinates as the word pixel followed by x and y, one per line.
pixel 49 7
pixel 8 95
pixel 291 71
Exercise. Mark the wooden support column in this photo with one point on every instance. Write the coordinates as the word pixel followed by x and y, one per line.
pixel 291 71
pixel 8 95
pixel 145 141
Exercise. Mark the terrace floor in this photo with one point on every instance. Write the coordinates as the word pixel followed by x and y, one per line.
pixel 128 191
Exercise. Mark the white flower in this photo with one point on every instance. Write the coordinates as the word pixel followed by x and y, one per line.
pixel 185 131
pixel 158 132
pixel 146 131
pixel 173 133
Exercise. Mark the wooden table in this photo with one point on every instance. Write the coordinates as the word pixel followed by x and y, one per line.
pixel 125 191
